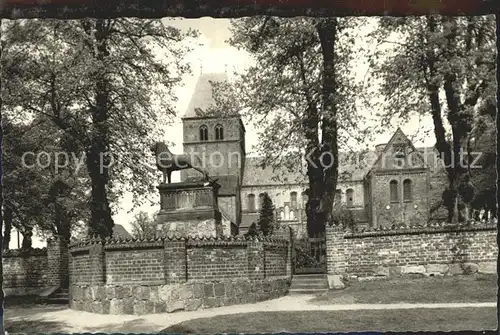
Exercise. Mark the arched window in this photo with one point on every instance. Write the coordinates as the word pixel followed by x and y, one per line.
pixel 407 196
pixel 287 212
pixel 292 215
pixel 251 202
pixel 293 199
pixel 282 215
pixel 203 133
pixel 350 197
pixel 394 191
pixel 219 132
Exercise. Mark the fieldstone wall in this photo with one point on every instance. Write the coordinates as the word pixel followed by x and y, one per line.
pixel 138 299
pixel 174 273
pixel 437 249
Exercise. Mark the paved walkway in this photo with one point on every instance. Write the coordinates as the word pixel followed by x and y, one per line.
pixel 74 321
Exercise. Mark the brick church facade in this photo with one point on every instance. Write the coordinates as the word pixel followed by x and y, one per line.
pixel 394 183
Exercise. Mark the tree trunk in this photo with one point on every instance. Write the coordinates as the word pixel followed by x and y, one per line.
pixel 98 159
pixel 27 239
pixel 314 172
pixel 451 154
pixel 327 32
pixel 2 330
pixel 7 220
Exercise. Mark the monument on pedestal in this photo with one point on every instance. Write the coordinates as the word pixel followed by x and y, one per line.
pixel 188 208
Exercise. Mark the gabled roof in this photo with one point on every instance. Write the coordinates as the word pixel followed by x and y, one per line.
pixel 202 97
pixel 397 137
pixel 120 232
pixel 246 221
pixel 350 169
pixel 254 174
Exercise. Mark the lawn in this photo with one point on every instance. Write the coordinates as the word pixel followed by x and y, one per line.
pixel 344 321
pixel 479 288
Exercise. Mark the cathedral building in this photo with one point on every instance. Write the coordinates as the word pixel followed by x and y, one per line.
pixel 394 183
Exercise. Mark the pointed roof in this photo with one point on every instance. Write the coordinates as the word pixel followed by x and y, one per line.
pixel 202 97
pixel 397 137
pixel 120 232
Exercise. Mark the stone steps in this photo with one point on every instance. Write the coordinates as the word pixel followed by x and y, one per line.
pixel 309 284
pixel 60 297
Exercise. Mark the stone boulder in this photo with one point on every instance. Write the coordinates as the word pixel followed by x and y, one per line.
pixel 382 271
pixel 437 269
pixel 487 267
pixel 413 269
pixel 456 269
pixel 470 268
pixel 335 282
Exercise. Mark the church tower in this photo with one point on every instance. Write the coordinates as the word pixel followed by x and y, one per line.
pixel 218 139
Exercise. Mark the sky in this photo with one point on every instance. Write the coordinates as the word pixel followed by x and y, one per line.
pixel 212 54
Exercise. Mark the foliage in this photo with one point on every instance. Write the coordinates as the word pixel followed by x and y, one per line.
pixel 266 223
pixel 343 215
pixel 484 171
pixel 143 226
pixel 266 218
pixel 442 67
pixel 39 197
pixel 299 87
pixel 99 82
pixel 254 231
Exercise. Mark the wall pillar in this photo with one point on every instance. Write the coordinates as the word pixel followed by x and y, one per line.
pixel 335 250
pixel 289 260
pixel 256 261
pixel 57 263
pixel 175 258
pixel 97 264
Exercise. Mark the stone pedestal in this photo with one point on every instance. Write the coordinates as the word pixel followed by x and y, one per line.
pixel 189 209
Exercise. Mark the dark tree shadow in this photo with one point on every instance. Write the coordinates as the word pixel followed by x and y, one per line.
pixel 34 326
pixel 28 308
pixel 132 326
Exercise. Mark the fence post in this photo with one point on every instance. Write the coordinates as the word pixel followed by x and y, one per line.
pixel 289 267
pixel 256 263
pixel 97 264
pixel 335 250
pixel 335 256
pixel 175 258
pixel 58 262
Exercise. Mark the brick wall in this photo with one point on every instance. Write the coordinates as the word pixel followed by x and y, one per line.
pixel 57 263
pixel 143 265
pixel 29 272
pixel 212 262
pixel 169 262
pixel 275 260
pixel 432 249
pixel 387 213
pixel 25 269
pixel 80 267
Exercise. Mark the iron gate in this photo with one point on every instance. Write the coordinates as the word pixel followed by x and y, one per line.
pixel 310 255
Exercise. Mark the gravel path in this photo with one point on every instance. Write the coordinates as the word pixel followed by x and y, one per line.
pixel 70 321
